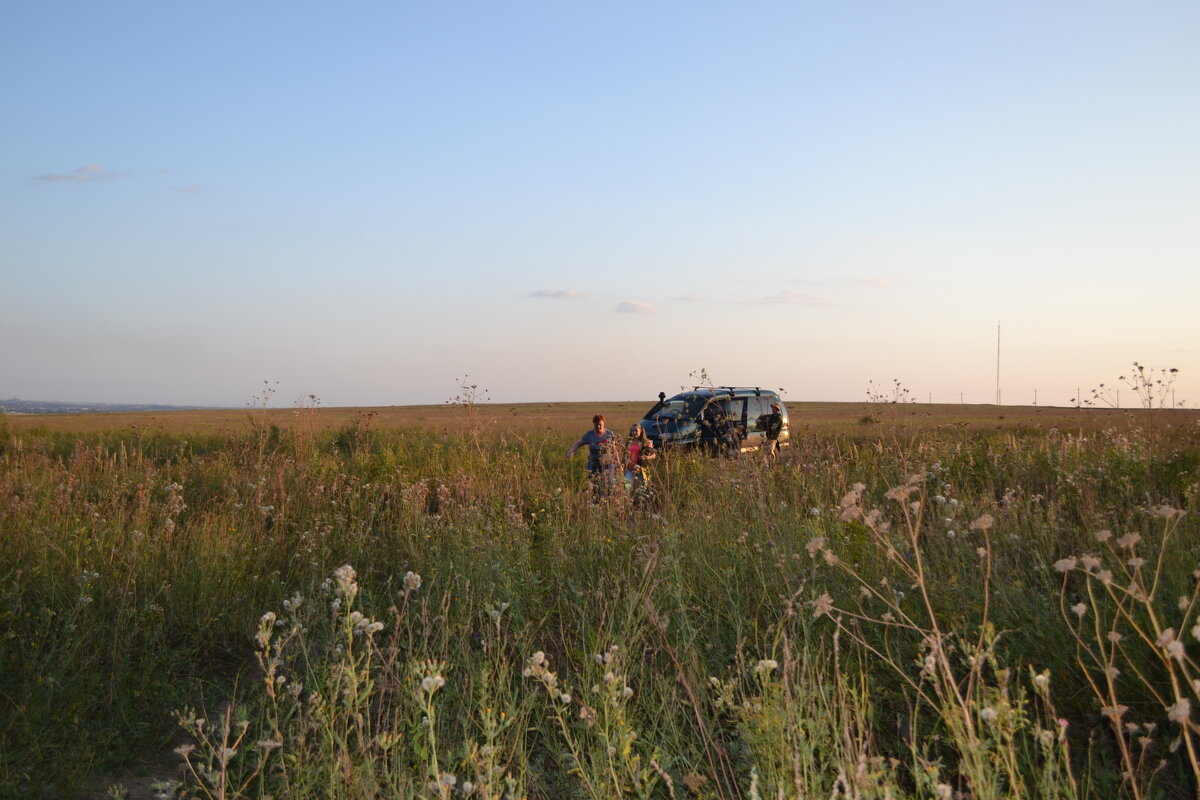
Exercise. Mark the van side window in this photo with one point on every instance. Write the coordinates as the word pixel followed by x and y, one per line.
pixel 756 409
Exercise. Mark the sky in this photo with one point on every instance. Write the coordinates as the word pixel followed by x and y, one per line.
pixel 374 203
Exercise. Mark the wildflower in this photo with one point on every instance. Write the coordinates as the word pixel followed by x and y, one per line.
pixel 564 698
pixel 1065 564
pixel 988 714
pixel 1129 540
pixel 1114 713
pixel 1172 646
pixel 1180 712
pixel 1104 576
pixel 447 780
pixel 185 749
pixel 346 585
pixel 945 791
pixel 830 558
pixel 928 667
pixel 983 523
pixel 816 512
pixel 766 665
pixel 1089 562
pixel 814 544
pixel 981 552
pixel 267 745
pixel 1169 512
pixel 627 692
pixel 588 715
pixel 1042 679
pixel 1103 536
pixel 1080 609
pixel 822 605
pixel 1136 563
pixel 1196 631
pixel 412 581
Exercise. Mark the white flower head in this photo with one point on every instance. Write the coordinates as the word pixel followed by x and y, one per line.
pixel 766 665
pixel 346 585
pixel 1180 712
pixel 412 581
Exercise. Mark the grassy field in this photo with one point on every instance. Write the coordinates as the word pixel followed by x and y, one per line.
pixel 915 601
pixel 533 419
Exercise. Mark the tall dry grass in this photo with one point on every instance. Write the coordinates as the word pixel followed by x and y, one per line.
pixel 371 611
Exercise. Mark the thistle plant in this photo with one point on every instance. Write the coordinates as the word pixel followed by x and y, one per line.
pixel 1130 640
pixel 961 691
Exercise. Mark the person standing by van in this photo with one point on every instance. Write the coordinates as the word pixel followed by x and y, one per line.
pixel 773 426
pixel 601 463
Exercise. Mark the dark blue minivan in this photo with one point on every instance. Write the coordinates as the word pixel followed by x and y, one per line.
pixel 719 419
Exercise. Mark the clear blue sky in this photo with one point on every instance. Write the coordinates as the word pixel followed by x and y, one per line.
pixel 589 201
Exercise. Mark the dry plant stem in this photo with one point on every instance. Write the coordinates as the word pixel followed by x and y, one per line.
pixel 718 759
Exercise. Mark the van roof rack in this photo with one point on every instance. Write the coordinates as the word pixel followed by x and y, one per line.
pixel 731 389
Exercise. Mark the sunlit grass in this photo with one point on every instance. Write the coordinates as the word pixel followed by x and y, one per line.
pixel 749 631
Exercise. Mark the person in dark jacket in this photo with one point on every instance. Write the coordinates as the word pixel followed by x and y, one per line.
pixel 773 426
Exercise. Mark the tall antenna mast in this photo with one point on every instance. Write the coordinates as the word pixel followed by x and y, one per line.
pixel 997 362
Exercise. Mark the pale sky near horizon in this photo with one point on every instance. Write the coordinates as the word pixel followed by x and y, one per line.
pixel 566 201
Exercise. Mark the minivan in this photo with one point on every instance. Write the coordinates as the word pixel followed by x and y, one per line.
pixel 719 419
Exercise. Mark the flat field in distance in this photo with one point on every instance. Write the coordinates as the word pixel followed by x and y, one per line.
pixel 531 419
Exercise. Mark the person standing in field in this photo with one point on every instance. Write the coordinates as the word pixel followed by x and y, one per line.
pixel 638 450
pixel 773 425
pixel 601 463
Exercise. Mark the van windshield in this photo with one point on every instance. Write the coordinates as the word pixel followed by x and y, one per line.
pixel 676 408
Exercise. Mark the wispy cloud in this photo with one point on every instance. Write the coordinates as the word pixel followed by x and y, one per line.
pixel 789 297
pixel 89 173
pixel 690 297
pixel 556 294
pixel 634 307
pixel 866 283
